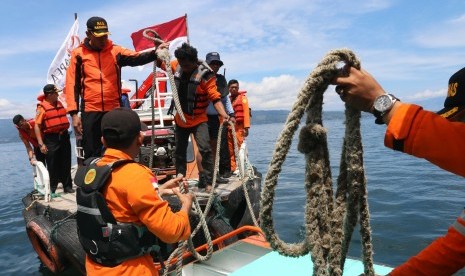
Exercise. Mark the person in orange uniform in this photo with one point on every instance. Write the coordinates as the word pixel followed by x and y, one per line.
pixel 196 85
pixel 93 81
pixel 51 120
pixel 421 133
pixel 133 196
pixel 28 136
pixel 242 112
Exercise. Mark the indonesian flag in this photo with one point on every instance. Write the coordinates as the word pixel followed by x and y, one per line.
pixel 174 31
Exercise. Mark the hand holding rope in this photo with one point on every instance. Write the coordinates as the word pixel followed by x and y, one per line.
pixel 329 218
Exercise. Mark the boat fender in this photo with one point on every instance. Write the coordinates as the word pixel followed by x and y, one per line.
pixel 38 230
pixel 106 241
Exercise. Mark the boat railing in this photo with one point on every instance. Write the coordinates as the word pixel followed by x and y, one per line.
pixel 160 106
pixel 251 230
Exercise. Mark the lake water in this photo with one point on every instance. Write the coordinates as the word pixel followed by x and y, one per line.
pixel 411 201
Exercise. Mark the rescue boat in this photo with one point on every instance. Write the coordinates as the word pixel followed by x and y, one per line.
pixel 238 244
pixel 50 218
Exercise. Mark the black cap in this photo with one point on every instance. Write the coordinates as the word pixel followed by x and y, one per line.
pixel 455 101
pixel 50 88
pixel 213 56
pixel 17 118
pixel 121 125
pixel 97 26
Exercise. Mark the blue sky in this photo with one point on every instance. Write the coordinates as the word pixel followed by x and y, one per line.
pixel 411 47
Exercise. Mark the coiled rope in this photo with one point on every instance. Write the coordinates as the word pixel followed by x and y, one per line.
pixel 329 220
pixel 164 55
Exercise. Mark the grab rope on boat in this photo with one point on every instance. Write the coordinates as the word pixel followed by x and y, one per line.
pixel 163 54
pixel 202 215
pixel 245 172
pixel 329 219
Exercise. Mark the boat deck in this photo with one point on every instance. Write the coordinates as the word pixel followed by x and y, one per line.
pixel 251 257
pixel 67 202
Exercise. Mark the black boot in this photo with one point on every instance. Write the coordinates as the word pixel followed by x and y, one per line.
pixel 220 180
pixel 202 181
pixel 68 190
pixel 227 174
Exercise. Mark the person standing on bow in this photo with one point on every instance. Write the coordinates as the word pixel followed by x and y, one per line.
pixel 28 136
pixel 132 209
pixel 51 120
pixel 213 60
pixel 196 86
pixel 242 125
pixel 93 81
pixel 420 133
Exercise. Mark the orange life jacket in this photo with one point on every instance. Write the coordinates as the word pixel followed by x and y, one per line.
pixel 201 88
pixel 55 120
pixel 29 134
pixel 238 108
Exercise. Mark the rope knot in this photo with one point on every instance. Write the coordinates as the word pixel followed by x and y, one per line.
pixel 310 136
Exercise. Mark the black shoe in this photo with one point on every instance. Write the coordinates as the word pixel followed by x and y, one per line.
pixel 202 182
pixel 220 180
pixel 69 190
pixel 226 175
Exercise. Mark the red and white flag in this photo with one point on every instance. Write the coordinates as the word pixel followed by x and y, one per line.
pixel 174 31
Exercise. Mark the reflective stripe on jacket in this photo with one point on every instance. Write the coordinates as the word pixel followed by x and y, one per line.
pixel 54 120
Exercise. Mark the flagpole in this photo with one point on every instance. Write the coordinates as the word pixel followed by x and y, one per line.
pixel 187 28
pixel 75 16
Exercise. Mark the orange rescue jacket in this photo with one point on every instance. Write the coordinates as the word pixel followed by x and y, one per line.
pixel 422 134
pixel 132 197
pixel 93 78
pixel 241 109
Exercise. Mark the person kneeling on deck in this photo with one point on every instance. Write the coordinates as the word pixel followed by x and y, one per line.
pixel 120 210
pixel 51 129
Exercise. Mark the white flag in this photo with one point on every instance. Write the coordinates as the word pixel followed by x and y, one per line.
pixel 57 71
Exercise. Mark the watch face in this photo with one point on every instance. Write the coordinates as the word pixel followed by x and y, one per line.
pixel 382 103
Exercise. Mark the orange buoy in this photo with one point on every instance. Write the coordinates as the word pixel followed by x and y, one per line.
pixel 39 230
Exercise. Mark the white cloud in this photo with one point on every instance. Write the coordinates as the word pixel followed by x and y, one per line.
pixel 271 46
pixel 281 93
pixel 9 109
pixel 428 94
pixel 442 34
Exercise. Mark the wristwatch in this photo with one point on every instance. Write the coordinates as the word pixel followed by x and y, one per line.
pixel 382 105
